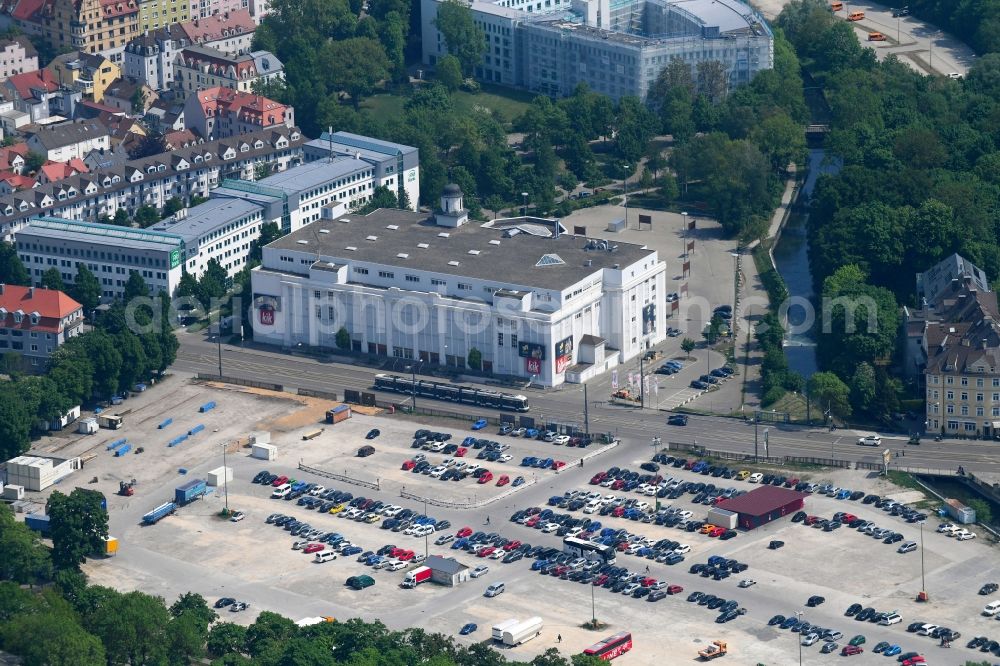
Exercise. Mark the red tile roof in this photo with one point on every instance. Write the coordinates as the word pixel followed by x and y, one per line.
pixel 219 26
pixel 51 305
pixel 41 79
pixel 761 501
pixel 55 171
pixel 247 107
pixel 24 10
pixel 16 181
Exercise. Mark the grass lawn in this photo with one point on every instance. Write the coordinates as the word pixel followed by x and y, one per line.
pixel 509 103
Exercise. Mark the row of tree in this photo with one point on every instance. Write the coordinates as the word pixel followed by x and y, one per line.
pixel 71 623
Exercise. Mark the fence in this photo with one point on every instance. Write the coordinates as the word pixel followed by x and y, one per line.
pixel 240 382
pixel 340 477
pixel 311 393
pixel 750 458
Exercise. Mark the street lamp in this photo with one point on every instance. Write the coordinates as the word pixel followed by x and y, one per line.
pixel 524 207
pixel 225 477
pixel 625 168
pixel 798 616
pixel 425 534
pixel 923 583
pixel 736 290
pixel 413 385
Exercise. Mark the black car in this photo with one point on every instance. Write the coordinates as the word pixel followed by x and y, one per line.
pixel 709 379
pixel 678 420
pixel 988 588
pixel 701 386
pixel 650 467
pixel 914 627
pixel 373 433
pixel 776 620
pixel 799 517
pixel 854 609
pixel 775 545
pixel 225 601
pixel 977 642
pixel 815 600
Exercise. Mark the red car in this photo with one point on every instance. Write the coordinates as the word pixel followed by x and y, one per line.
pixel 280 480
pixel 486 551
pixel 534 521
pixel 716 531
pixel 597 478
pixel 559 570
pixel 313 548
pixel 558 464
pixel 486 477
pixel 461 451
pixel 810 520
pixel 601 580
pixel 396 552
pixel 622 546
pixel 503 480
pixel 405 556
pixel 646 582
pixel 408 465
pixel 464 532
pixel 690 463
pixel 618 485
pixel 791 483
pixel 674 589
pixel 512 545
pixel 914 661
pixel 857 649
pixel 618 512
pixel 847 518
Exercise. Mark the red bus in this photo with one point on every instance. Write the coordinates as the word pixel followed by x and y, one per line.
pixel 611 647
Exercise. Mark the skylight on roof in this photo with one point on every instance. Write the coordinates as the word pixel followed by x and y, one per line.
pixel 402 255
pixel 392 227
pixel 423 246
pixel 550 260
pixel 453 263
pixel 494 242
pixel 351 248
pixel 444 234
pixel 302 242
pixel 475 252
pixel 371 238
pixel 324 231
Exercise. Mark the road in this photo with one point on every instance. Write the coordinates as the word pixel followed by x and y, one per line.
pixel 565 405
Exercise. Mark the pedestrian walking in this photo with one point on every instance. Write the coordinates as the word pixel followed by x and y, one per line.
pixel 647 568
pixel 559 638
pixel 487 520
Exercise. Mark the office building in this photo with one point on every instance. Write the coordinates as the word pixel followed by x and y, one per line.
pixel 535 302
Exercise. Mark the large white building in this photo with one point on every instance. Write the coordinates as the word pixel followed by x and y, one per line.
pixel 535 302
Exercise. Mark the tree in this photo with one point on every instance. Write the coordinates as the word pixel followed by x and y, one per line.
pixel 193 604
pixel 212 284
pixel 33 161
pixel 668 188
pixel 226 638
pixel 135 286
pixel 382 197
pixel 269 232
pixel 449 72
pixel 151 144
pixel 713 79
pixel 465 40
pixel 475 359
pixel 687 344
pixel 52 279
pixel 984 513
pixel 863 387
pixel 782 140
pixel 71 370
pixel 51 639
pixel 174 205
pixel 343 338
pixel 146 216
pixel 23 560
pixel 355 66
pixel 138 101
pixel 133 355
pixel 79 526
pixel 267 630
pixel 106 360
pixel 15 423
pixel 829 392
pixel 12 271
pixel 86 288
pixel 133 627
pixel 121 218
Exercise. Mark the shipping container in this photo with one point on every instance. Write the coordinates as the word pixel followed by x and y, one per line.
pixel 338 414
pixel 190 491
pixel 960 512
pixel 312 434
pixel 220 476
pixel 264 451
pixel 38 522
pixel 87 427
pixel 72 415
pixel 110 421
pixel 159 513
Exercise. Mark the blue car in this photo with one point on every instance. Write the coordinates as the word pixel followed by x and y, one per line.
pixel 468 628
pixel 538 564
pixel 843 494
pixel 480 424
pixel 459 543
pixel 892 650
pixel 547 463
pixel 528 461
pixel 555 499
pixel 531 432
pixel 517 482
pixel 469 441
pixel 353 550
pixel 789 623
pixel 594 527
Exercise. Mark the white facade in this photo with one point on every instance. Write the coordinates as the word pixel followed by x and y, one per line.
pixel 37 473
pixel 412 304
pixel 396 166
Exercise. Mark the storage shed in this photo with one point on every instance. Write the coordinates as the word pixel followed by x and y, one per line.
pixel 338 414
pixel 762 505
pixel 220 476
pixel 447 571
pixel 37 473
pixel 722 518
pixel 264 451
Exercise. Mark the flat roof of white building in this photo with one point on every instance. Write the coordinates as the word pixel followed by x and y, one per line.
pixel 312 174
pixel 518 251
pixel 55 228
pixel 207 217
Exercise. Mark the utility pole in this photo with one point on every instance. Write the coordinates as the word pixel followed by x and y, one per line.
pixel 586 412
pixel 756 420
pixel 642 382
pixel 426 547
pixel 219 341
pixel 225 476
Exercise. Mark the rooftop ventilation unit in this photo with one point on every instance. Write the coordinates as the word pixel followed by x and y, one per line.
pixel 324 231
pixel 453 263
pixel 444 234
pixel 475 252
pixel 302 242
pixel 351 248
pixel 402 255
pixel 371 238
pixel 344 219
pixel 392 227
pixel 423 246
pixel 494 242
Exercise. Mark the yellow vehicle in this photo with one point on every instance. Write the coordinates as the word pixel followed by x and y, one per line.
pixel 706 528
pixel 856 16
pixel 876 37
pixel 713 651
pixel 337 509
pixel 372 518
pixel 743 474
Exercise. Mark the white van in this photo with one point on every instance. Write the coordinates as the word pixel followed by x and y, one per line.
pixel 325 556
pixel 991 609
pixel 281 491
pixel 495 589
pixel 592 507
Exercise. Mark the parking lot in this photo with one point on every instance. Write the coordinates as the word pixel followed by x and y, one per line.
pixel 254 562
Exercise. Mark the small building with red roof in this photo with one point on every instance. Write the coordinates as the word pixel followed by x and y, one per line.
pixel 762 505
pixel 219 113
pixel 34 321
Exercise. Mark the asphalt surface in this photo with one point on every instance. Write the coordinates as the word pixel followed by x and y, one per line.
pixel 565 405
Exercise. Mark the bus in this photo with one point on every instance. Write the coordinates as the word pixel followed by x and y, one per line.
pixel 589 550
pixel 466 395
pixel 611 647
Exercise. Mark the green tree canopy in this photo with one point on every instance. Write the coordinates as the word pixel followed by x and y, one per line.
pixel 86 288
pixel 79 526
pixel 465 40
pixel 12 271
pixel 52 279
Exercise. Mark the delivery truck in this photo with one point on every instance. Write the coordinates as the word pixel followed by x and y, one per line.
pixel 190 491
pixel 416 577
pixel 159 513
pixel 522 632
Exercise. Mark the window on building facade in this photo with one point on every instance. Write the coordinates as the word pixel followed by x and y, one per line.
pixel 500 339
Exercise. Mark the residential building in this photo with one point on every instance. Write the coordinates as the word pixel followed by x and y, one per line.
pixel 65 141
pixel 124 94
pixel 89 26
pixel 199 68
pixel 217 113
pixel 207 8
pixel 155 14
pixel 939 279
pixel 34 321
pixel 90 73
pixel 396 166
pixel 961 340
pixel 229 31
pixel 153 180
pixel 12 157
pixel 53 172
pixel 537 303
pixel 32 93
pixel 110 252
pixel 17 55
pixel 259 9
pixel 616 48
pixel 150 57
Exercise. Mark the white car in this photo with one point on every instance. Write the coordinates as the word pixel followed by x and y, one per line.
pixel 518 432
pixel 395 565
pixel 947 528
pixel 870 440
pixel 418 558
pixel 608 483
pixel 505 457
pixel 237 516
pixel 481 570
pixel 682 549
pixel 436 447
pixel 550 528
pixel 443 539
pixel 747 582
pixel 438 471
pixel 926 629
pixel 317 490
pixel 560 440
pixel 685 514
pixel 498 554
pixel 630 588
pixel 299 545
pixel 755 477
pixel 965 535
pixel 810 639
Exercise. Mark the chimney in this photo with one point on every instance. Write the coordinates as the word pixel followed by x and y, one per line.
pixel 1 288
pixel 31 292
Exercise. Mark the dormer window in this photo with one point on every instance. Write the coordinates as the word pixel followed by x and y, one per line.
pixel 34 318
pixel 18 316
